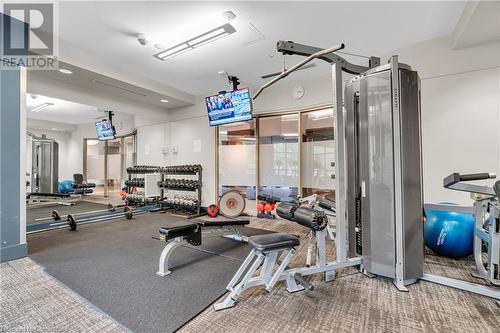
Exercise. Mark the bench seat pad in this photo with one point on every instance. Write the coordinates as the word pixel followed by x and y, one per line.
pixel 275 241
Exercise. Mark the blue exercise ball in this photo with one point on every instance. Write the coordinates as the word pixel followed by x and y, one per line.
pixel 66 186
pixel 450 234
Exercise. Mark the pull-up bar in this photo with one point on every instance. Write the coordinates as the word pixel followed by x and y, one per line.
pixel 298 65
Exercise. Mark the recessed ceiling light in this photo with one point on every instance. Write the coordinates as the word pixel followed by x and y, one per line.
pixel 65 71
pixel 164 100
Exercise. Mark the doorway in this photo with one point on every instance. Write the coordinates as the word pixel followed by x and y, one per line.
pixel 105 164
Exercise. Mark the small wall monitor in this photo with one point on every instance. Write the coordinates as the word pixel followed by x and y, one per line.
pixel 105 130
pixel 230 107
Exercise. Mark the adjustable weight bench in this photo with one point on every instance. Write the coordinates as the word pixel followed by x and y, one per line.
pixel 193 233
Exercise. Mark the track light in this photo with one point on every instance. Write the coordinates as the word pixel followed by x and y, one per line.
pixel 197 41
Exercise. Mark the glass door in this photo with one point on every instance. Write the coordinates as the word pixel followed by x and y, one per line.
pixel 317 153
pixel 105 164
pixel 94 161
pixel 279 156
pixel 114 174
pixel 237 155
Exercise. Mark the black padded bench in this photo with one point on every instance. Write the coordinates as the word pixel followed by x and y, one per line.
pixel 193 232
pixel 273 242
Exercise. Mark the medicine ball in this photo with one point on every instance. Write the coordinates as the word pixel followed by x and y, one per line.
pixel 260 207
pixel 212 210
pixel 450 234
pixel 66 186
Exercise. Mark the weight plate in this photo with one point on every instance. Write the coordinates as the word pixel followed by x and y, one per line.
pixel 71 222
pixel 232 204
pixel 128 213
pixel 55 215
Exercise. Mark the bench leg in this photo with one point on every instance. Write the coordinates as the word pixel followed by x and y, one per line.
pixel 280 270
pixel 268 266
pixel 165 255
pixel 241 270
pixel 235 293
pixel 291 284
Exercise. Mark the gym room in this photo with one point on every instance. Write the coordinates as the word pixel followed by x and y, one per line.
pixel 249 166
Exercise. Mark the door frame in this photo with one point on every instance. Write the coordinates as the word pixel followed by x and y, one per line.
pixel 106 155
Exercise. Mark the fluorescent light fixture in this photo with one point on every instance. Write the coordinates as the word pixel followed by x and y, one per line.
pixel 65 71
pixel 164 100
pixel 248 139
pixel 207 37
pixel 290 134
pixel 41 106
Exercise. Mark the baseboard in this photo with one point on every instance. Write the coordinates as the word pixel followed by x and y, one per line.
pixel 13 252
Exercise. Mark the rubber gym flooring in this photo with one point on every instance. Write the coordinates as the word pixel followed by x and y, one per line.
pixel 32 300
pixel 46 211
pixel 113 265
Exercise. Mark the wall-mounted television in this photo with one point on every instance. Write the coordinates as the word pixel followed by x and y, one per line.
pixel 105 130
pixel 229 107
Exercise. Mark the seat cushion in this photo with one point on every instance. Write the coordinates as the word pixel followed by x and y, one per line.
pixel 178 231
pixel 275 241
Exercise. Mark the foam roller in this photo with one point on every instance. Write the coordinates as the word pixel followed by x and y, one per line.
pixel 286 210
pixel 310 218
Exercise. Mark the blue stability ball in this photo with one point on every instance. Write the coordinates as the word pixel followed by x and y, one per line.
pixel 66 186
pixel 450 234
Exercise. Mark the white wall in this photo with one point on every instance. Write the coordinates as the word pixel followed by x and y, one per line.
pixel 460 112
pixel 460 129
pixel 193 141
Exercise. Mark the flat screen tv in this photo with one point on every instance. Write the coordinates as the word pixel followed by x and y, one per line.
pixel 105 130
pixel 230 107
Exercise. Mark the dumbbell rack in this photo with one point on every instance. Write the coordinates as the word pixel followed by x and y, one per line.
pixel 130 173
pixel 166 174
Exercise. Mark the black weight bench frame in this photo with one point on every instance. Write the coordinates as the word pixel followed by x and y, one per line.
pixel 193 233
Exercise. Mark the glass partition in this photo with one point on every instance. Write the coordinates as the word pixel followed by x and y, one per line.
pixel 317 153
pixel 278 156
pixel 94 164
pixel 237 157
pixel 105 164
pixel 114 165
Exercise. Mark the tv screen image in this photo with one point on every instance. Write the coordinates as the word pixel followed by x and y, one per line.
pixel 105 130
pixel 229 107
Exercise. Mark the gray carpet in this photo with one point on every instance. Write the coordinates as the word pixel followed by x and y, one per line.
pixel 356 303
pixel 33 301
pixel 113 266
pixel 46 211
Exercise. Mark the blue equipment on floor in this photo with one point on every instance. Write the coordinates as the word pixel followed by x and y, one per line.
pixel 450 234
pixel 66 186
